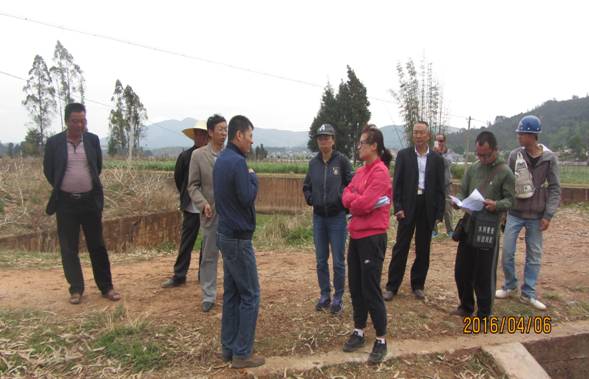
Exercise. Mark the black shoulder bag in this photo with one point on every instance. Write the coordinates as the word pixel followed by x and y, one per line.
pixel 479 229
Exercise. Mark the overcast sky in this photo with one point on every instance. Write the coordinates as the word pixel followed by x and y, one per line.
pixel 499 58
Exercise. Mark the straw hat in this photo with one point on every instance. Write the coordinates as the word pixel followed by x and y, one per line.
pixel 190 132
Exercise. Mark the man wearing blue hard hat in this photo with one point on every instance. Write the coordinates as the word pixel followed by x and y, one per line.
pixel 537 196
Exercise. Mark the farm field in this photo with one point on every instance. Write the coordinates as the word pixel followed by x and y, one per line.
pixel 162 333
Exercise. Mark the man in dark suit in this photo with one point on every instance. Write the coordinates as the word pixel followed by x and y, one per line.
pixel 190 212
pixel 72 165
pixel 418 198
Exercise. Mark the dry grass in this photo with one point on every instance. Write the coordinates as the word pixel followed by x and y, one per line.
pixel 24 192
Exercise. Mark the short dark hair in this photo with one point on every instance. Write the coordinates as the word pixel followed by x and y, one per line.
pixel 73 107
pixel 486 137
pixel 422 122
pixel 443 136
pixel 214 120
pixel 240 123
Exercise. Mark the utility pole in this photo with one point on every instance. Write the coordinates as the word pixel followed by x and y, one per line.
pixel 466 146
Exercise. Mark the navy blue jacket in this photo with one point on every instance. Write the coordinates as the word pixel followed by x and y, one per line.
pixel 235 194
pixel 55 163
pixel 325 183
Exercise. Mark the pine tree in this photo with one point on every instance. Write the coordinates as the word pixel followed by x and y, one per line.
pixel 328 114
pixel 39 100
pixel 68 78
pixel 353 102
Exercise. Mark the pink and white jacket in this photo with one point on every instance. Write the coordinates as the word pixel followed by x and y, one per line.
pixel 370 183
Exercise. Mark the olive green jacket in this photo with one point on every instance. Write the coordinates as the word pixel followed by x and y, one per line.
pixel 501 188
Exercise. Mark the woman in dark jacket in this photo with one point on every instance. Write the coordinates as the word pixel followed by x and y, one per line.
pixel 329 172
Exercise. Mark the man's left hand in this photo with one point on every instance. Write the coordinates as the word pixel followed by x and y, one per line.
pixel 544 224
pixel 490 205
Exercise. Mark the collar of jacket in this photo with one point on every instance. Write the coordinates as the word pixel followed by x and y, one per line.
pixel 231 146
pixel 370 166
pixel 319 156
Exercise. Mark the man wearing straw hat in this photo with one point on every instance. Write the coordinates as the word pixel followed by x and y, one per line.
pixel 191 214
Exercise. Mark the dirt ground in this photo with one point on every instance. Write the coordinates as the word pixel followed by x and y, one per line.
pixel 288 323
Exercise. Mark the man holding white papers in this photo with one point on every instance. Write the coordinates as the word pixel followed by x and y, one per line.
pixel 476 268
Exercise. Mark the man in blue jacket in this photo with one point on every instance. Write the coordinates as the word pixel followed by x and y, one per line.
pixel 235 188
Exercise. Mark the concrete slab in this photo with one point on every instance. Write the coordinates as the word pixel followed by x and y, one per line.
pixel 410 347
pixel 516 361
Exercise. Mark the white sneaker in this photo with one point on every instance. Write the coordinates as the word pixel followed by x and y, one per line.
pixel 504 294
pixel 534 302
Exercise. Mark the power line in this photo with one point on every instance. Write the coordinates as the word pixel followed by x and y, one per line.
pixel 176 53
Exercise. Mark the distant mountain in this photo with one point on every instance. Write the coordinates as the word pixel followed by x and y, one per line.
pixel 166 137
pixel 561 120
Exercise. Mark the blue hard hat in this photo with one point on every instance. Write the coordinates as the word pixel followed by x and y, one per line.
pixel 529 124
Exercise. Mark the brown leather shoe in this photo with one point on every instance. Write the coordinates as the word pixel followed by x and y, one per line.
pixel 112 295
pixel 75 298
pixel 252 361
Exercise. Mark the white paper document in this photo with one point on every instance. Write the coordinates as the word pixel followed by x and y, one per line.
pixel 474 202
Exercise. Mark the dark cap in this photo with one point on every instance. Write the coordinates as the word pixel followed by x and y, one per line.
pixel 325 130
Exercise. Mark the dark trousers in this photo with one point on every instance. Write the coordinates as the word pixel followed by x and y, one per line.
pixel 365 260
pixel 475 272
pixel 71 214
pixel 190 227
pixel 423 238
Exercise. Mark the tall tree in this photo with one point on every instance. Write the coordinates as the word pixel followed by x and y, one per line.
pixel 40 99
pixel 69 81
pixel 328 113
pixel 353 103
pixel 135 116
pixel 347 111
pixel 419 98
pixel 117 123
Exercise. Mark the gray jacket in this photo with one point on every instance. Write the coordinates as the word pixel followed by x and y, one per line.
pixel 200 181
pixel 546 179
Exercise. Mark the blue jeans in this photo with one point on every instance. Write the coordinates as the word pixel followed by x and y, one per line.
pixel 241 296
pixel 330 231
pixel 533 254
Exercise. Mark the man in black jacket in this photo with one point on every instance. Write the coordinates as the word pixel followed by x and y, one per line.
pixel 418 198
pixel 329 173
pixel 190 213
pixel 72 164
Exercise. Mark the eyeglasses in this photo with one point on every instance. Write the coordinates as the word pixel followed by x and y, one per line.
pixel 361 143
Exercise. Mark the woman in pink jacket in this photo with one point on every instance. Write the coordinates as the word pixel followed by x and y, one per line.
pixel 368 198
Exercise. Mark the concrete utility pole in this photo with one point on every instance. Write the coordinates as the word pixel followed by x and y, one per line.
pixel 466 146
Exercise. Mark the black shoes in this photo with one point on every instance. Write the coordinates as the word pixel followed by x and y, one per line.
pixel 354 342
pixel 323 304
pixel 388 295
pixel 459 311
pixel 378 353
pixel 337 307
pixel 419 294
pixel 207 306
pixel 170 283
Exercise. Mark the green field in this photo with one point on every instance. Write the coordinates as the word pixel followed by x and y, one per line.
pixel 576 175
